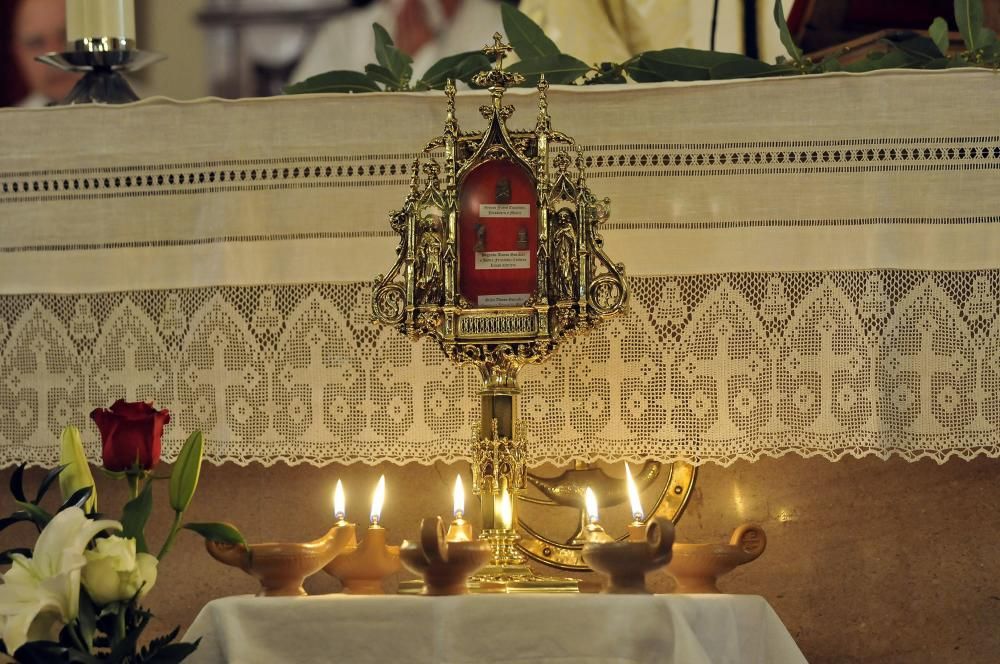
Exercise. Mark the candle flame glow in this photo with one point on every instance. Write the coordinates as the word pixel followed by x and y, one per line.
pixel 506 509
pixel 378 500
pixel 459 497
pixel 338 501
pixel 633 494
pixel 591 501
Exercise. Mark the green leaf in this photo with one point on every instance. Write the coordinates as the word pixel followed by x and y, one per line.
pixel 80 498
pixel 923 49
pixel 218 532
pixel 786 35
pixel 399 64
pixel 894 59
pixel 939 35
pixel 334 81
pixel 37 514
pixel 17 483
pixel 186 471
pixel 5 556
pixel 748 68
pixel 969 16
pixel 607 73
pixel 16 517
pixel 560 69
pixel 87 618
pixel 458 67
pixel 527 38
pixel 50 477
pixel 681 64
pixel 380 74
pixel 135 514
pixel 172 654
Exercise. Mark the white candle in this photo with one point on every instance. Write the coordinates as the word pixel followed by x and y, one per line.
pixel 86 19
pixel 378 500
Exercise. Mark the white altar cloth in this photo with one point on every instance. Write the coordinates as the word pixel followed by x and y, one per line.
pixel 814 262
pixel 513 629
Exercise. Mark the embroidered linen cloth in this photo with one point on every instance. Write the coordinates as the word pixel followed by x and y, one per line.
pixel 814 264
pixel 582 629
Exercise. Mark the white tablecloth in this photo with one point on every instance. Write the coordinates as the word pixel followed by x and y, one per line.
pixel 582 629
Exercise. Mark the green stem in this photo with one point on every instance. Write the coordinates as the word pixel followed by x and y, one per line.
pixel 120 625
pixel 133 485
pixel 169 542
pixel 77 641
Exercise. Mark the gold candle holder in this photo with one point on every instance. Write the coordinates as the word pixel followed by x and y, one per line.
pixel 282 567
pixel 444 564
pixel 362 568
pixel 626 563
pixel 697 567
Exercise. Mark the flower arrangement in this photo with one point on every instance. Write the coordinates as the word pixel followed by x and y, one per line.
pixel 75 596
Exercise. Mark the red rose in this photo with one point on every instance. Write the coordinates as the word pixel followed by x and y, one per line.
pixel 130 434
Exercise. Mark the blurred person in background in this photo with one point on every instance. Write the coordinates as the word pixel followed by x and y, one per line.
pixel 29 28
pixel 428 30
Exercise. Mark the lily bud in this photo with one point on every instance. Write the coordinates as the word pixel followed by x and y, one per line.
pixel 187 469
pixel 76 475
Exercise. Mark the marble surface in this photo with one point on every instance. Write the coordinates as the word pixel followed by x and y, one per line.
pixel 867 560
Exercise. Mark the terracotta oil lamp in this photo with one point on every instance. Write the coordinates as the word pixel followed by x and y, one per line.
pixel 697 567
pixel 625 564
pixel 282 567
pixel 362 568
pixel 445 564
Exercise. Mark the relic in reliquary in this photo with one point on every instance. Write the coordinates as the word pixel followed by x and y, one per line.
pixel 501 259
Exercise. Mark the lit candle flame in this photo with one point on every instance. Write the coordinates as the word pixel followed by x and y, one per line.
pixel 506 509
pixel 459 497
pixel 591 501
pixel 338 502
pixel 633 495
pixel 378 500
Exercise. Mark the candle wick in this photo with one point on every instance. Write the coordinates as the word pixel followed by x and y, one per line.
pixel 374 520
pixel 459 514
pixel 637 516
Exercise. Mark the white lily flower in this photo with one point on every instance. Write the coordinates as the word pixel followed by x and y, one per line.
pixel 42 593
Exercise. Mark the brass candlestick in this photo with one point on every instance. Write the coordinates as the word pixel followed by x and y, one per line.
pixel 362 568
pixel 444 564
pixel 626 563
pixel 282 567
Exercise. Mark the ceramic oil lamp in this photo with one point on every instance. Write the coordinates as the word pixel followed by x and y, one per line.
pixel 626 563
pixel 362 568
pixel 697 567
pixel 282 567
pixel 444 564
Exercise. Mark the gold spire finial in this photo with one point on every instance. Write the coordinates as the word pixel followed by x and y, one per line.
pixel 497 51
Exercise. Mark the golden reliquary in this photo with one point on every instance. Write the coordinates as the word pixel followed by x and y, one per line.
pixel 500 258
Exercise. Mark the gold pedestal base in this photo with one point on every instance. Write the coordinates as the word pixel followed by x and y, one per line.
pixel 519 579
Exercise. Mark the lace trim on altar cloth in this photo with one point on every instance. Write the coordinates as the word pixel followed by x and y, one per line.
pixel 705 368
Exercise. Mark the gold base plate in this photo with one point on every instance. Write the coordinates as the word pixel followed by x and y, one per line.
pixel 505 579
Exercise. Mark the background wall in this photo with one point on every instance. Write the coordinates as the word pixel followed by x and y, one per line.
pixel 867 561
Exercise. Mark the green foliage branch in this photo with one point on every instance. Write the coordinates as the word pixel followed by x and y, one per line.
pixel 393 69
